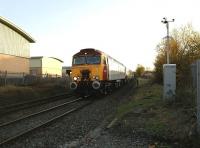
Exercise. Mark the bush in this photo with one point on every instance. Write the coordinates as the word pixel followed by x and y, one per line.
pixel 184 50
pixel 186 96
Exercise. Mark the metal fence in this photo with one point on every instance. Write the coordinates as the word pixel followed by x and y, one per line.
pixel 195 70
pixel 7 78
pixel 194 74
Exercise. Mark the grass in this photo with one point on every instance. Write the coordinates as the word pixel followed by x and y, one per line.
pixel 173 123
pixel 14 91
pixel 13 94
pixel 143 97
pixel 186 96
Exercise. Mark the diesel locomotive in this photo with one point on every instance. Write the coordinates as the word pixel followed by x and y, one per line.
pixel 93 70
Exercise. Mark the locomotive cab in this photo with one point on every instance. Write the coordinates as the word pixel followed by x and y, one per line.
pixel 88 70
pixel 93 70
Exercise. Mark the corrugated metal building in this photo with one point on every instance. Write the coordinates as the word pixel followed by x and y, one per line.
pixel 14 48
pixel 46 66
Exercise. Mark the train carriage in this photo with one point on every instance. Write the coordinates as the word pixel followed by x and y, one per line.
pixel 93 70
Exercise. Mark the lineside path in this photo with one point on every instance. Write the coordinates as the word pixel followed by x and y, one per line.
pixel 111 133
pixel 145 121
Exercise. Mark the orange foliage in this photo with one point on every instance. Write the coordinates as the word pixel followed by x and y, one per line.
pixel 184 50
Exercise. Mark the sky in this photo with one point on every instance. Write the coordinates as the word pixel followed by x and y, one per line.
pixel 127 30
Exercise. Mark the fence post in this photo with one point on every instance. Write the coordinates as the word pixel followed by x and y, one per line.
pixel 5 78
pixel 1 79
pixel 198 96
pixel 23 78
pixel 193 68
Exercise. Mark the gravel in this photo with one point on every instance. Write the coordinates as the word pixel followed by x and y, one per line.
pixel 86 127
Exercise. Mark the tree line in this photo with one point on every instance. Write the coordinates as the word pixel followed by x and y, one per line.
pixel 184 45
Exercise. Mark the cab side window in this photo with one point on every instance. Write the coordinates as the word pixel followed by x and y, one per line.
pixel 104 60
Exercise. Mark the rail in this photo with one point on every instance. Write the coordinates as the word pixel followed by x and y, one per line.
pixel 19 134
pixel 27 104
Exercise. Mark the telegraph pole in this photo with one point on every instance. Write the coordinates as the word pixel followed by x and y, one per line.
pixel 165 21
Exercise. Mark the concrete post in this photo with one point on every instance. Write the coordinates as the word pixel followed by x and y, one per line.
pixel 169 77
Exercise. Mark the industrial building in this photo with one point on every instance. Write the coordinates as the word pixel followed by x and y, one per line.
pixel 14 48
pixel 46 66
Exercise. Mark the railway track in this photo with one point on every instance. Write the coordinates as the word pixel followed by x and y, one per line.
pixel 38 119
pixel 23 105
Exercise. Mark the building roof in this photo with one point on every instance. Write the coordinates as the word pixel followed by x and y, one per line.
pixel 17 29
pixel 40 57
pixel 37 57
pixel 57 59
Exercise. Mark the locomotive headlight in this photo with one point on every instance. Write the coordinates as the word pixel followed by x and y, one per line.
pixel 75 78
pixel 95 77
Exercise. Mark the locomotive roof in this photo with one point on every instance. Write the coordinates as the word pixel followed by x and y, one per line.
pixel 86 51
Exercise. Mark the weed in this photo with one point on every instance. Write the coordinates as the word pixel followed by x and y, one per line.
pixel 166 123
